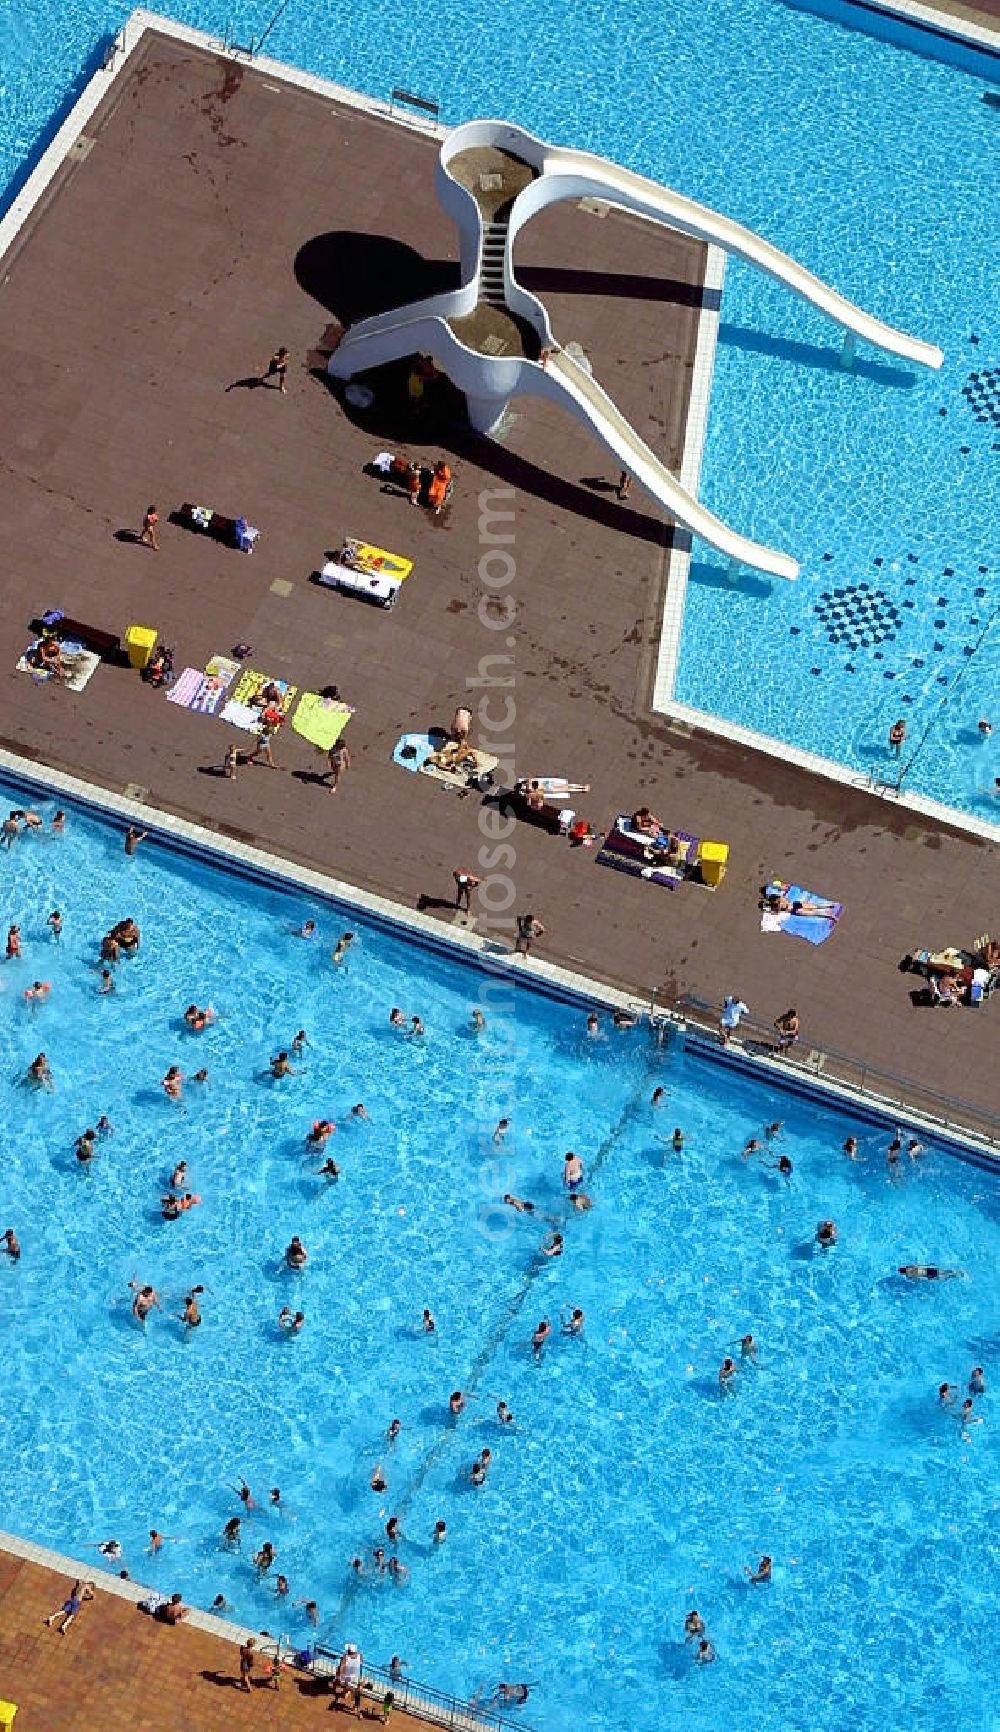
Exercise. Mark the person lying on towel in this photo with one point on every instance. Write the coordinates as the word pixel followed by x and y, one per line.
pixel 779 903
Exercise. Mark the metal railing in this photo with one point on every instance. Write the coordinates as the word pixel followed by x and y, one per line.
pixel 881 1088
pixel 426 104
pixel 422 1700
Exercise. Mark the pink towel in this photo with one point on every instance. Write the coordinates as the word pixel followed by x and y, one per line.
pixel 186 688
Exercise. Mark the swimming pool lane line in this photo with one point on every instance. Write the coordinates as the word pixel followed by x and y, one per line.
pixel 494 1340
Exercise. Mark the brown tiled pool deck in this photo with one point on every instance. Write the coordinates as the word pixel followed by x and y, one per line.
pixel 218 214
pixel 118 1671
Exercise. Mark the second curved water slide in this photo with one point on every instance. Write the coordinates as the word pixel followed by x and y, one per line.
pixel 547 174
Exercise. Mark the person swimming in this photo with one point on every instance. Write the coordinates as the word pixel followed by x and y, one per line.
pixel 572 1171
pixel 694 1626
pixel 519 1204
pixel 540 1337
pixel 427 1322
pixel 727 1375
pixel 504 1415
pixel 929 1272
pixel 826 1235
pixel 763 1571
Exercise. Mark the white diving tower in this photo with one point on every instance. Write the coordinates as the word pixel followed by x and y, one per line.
pixel 493 340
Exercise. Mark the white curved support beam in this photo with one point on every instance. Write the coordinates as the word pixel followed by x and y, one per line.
pixel 490 381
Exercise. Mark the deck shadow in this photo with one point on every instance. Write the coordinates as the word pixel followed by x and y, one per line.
pixel 355 276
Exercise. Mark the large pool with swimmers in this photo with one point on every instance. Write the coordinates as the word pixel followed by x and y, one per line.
pixel 628 1491
pixel 871 163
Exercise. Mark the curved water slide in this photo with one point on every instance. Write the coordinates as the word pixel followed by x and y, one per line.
pixel 490 381
pixel 577 174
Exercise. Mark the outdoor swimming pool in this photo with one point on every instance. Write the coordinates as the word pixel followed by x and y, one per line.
pixel 869 163
pixel 627 1491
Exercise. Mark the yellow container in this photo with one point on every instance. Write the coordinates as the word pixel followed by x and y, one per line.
pixel 712 858
pixel 7 1713
pixel 140 641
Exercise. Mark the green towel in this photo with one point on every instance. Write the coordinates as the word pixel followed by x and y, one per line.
pixel 321 721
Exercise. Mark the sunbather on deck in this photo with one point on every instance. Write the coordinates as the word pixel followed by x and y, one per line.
pixel 780 904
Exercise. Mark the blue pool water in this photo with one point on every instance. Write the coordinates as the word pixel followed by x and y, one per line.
pixel 870 163
pixel 628 1491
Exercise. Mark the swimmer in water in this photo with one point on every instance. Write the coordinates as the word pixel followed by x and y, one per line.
pixel 540 1337
pixel 850 1148
pixel 427 1322
pixel 378 1481
pixel 977 1381
pixel 361 1112
pixel 54 923
pixel 12 1245
pixel 774 1129
pixel 440 1531
pixel 321 1130
pixel 13 943
pixel 290 1321
pixel 263 1559
pixel 416 1030
pixel 220 1605
pixel 84 1146
pixel 504 1415
pixel 553 1246
pixel 197 1018
pixel 477 1022
pixel 580 1202
pixel 39 1074
pixel 299 1043
pixel 392 1529
pixel 280 1066
pixel 155 1542
pixel 146 1300
pixel 394 1430
pixel 397 1669
pixel 274 1499
pixel 929 1272
pixel 245 1495
pixel 200 1076
pixel 593 1025
pixel 179 1176
pixel 520 1204
pixel 231 1535
pixel 826 1235
pixel 752 1147
pixel 456 1403
pixel 104 1127
pixel 782 1165
pixel 727 1376
pixel 694 1626
pixel 704 1653
pixel 748 1349
pixel 396 1018
pixel 762 1573
pixel 173 1083
pixel 308 930
pixel 281 1587
pixel 915 1148
pixel 947 1394
pixel 572 1171
pixel 107 981
pixel 659 1097
pixel 503 1126
pixel 967 1415
pixel 296 1255
pixel 311 1610
pixel 329 1170
pixel 677 1140
pixel 35 994
pixel 573 1324
pixel 338 954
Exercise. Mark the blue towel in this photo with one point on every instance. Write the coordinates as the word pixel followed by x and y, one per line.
pixel 814 928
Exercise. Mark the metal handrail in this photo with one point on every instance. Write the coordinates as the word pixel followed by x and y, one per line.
pixel 422 1700
pixel 882 1087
